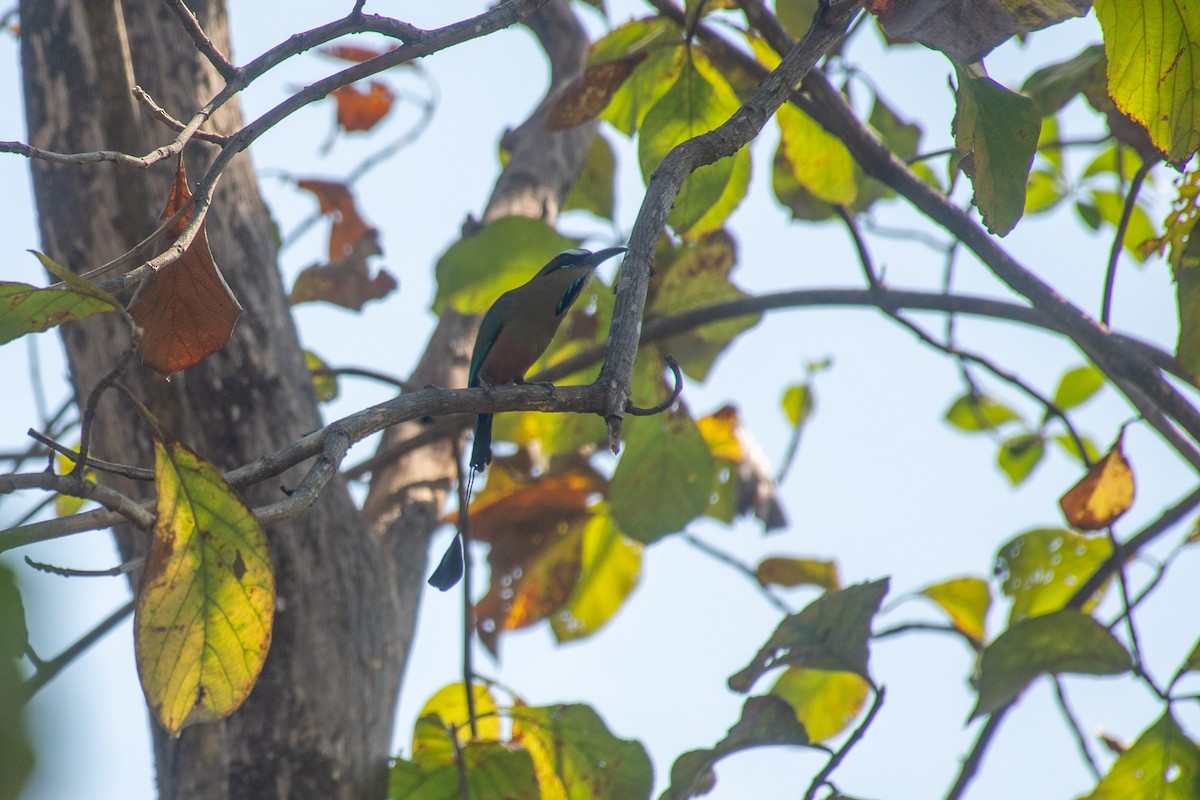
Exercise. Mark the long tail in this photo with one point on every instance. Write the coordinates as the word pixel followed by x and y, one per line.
pixel 481 448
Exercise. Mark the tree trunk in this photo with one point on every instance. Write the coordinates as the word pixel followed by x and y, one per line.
pixel 318 723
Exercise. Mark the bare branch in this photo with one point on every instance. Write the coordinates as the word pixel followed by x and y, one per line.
pixel 204 44
pixel 1110 274
pixel 830 23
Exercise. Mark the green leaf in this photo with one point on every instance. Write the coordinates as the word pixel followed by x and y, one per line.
pixel 1077 386
pixel 16 754
pixel 1055 85
pixel 819 161
pixel 825 702
pixel 27 309
pixel 966 602
pixel 1139 230
pixel 997 132
pixel 1045 191
pixel 202 624
pixel 664 479
pixel 979 412
pixel 1019 455
pixel 699 101
pixel 578 758
pixel 449 706
pixel 325 386
pixel 1072 449
pixel 493 771
pixel 503 255
pixel 611 567
pixel 1153 49
pixel 1062 641
pixel 765 721
pixel 698 276
pixel 797 403
pixel 791 195
pixel 593 189
pixel 796 15
pixel 792 572
pixel 831 633
pixel 1042 569
pixel 1163 764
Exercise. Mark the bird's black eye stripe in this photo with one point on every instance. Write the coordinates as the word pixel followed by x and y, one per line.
pixel 567 259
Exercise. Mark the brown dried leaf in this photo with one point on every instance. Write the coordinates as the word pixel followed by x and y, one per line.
pixel 346 282
pixel 536 533
pixel 590 94
pixel 336 201
pixel 1103 495
pixel 186 310
pixel 967 30
pixel 361 111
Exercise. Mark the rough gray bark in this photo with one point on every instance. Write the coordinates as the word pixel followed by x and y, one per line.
pixel 318 723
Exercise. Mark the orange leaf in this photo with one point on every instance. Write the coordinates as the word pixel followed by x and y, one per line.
pixel 347 282
pixel 1104 493
pixel 186 310
pixel 361 111
pixel 591 93
pixel 536 533
pixel 337 202
pixel 354 53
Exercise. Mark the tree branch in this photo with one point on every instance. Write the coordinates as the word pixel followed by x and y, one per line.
pixel 830 24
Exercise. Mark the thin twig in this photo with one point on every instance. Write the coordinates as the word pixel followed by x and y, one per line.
pixel 737 566
pixel 468 620
pixel 1114 256
pixel 1081 741
pixel 822 777
pixel 970 765
pixel 120 569
pixel 165 117
pixel 48 670
pixel 204 44
pixel 131 472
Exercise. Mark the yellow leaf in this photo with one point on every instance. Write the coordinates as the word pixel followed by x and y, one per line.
pixel 449 704
pixel 966 601
pixel 1104 493
pixel 203 621
pixel 825 702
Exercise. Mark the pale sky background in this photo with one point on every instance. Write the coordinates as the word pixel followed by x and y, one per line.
pixel 880 484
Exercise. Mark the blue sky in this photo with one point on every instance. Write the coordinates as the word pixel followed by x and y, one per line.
pixel 880 484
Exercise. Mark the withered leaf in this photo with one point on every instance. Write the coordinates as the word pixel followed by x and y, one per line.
pixel 347 282
pixel 361 111
pixel 590 94
pixel 1104 493
pixel 186 310
pixel 535 529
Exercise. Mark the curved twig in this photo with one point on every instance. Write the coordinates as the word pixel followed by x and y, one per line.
pixel 665 404
pixel 1110 274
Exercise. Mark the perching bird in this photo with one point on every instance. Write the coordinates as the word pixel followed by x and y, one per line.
pixel 519 326
pixel 514 333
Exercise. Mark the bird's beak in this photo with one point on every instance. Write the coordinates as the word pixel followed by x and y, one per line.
pixel 600 256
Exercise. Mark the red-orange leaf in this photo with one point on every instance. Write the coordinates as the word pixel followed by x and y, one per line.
pixel 536 533
pixel 336 201
pixel 1104 493
pixel 186 310
pixel 347 282
pixel 355 53
pixel 590 94
pixel 361 111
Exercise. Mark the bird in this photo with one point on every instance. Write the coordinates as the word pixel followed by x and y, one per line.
pixel 519 327
pixel 514 333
